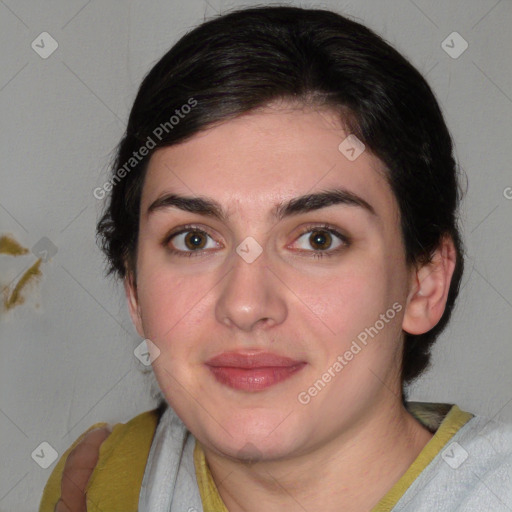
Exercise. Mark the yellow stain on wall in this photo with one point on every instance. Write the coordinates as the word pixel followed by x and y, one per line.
pixel 13 297
pixel 30 275
pixel 10 246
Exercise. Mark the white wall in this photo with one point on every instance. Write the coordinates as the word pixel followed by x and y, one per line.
pixel 67 353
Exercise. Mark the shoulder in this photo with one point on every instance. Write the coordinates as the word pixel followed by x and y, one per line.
pixel 141 427
pixel 471 472
pixel 477 465
pixel 489 439
pixel 126 447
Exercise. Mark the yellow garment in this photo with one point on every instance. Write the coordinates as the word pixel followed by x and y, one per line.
pixel 115 483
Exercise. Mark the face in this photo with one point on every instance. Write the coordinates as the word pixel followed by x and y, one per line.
pixel 278 319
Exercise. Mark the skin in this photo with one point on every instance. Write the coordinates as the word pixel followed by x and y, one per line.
pixel 348 446
pixel 78 470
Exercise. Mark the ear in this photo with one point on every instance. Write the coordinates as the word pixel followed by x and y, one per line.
pixel 429 289
pixel 130 289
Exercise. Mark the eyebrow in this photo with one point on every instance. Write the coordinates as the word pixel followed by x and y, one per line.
pixel 295 206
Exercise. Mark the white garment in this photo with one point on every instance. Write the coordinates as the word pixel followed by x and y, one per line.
pixel 169 483
pixel 472 473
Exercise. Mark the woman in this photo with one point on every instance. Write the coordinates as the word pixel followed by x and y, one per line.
pixel 283 214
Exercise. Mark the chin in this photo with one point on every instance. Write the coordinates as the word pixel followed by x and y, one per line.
pixel 250 450
pixel 251 440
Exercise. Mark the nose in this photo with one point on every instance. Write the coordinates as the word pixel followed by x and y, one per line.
pixel 251 296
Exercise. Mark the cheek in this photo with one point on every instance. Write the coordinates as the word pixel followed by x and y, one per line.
pixel 174 308
pixel 358 312
pixel 362 310
pixel 351 299
pixel 173 312
pixel 170 304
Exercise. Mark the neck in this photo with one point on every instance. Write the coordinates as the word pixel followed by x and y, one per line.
pixel 349 472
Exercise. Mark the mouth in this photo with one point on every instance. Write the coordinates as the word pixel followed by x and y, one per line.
pixel 252 371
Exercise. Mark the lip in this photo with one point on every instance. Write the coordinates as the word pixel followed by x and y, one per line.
pixel 251 360
pixel 252 371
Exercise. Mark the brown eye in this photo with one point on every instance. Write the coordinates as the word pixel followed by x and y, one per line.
pixel 195 240
pixel 320 239
pixel 190 241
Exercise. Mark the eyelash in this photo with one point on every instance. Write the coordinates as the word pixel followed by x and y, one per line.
pixel 310 228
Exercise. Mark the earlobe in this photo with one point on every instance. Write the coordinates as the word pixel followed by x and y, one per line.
pixel 130 289
pixel 429 289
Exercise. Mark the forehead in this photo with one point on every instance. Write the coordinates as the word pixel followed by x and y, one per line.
pixel 260 159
